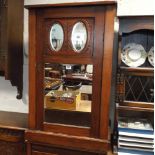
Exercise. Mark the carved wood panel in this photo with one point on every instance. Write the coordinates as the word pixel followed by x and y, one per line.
pixel 67 25
pixel 8 148
pixel 49 23
pixel 11 142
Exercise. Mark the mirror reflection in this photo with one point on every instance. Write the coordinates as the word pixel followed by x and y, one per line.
pixel 79 37
pixel 56 37
pixel 68 93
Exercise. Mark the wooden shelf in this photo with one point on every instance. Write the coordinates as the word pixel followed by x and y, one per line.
pixel 141 71
pixel 136 106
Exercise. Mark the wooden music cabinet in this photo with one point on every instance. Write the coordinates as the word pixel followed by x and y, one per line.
pixel 70 50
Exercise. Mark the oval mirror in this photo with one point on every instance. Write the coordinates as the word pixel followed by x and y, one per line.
pixel 56 37
pixel 79 37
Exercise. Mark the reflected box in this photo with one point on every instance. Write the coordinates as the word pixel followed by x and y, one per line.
pixel 64 100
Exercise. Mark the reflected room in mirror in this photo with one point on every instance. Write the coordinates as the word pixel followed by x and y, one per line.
pixel 68 93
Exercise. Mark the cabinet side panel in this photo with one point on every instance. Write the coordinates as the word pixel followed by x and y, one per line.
pixel 107 71
pixel 15 43
pixel 32 69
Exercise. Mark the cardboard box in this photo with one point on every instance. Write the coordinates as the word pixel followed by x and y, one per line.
pixel 66 100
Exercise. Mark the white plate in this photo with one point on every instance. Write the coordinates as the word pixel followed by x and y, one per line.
pixel 133 55
pixel 151 56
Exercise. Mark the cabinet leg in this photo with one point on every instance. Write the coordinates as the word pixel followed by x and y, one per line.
pixel 19 93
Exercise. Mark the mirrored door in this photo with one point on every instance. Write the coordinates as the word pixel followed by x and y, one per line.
pixel 68 93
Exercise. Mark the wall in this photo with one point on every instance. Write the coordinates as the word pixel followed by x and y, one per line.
pixel 125 7
pixel 135 7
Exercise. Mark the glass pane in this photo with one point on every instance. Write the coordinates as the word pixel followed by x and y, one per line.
pixel 68 93
pixel 79 37
pixel 139 88
pixel 56 37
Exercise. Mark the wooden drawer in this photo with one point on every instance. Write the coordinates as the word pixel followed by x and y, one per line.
pixel 52 150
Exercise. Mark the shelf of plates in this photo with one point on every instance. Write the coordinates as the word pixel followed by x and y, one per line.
pixel 135 83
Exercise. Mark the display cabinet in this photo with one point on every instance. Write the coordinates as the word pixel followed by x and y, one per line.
pixel 11 42
pixel 70 73
pixel 135 79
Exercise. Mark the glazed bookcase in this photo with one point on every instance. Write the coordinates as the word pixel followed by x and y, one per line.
pixel 135 85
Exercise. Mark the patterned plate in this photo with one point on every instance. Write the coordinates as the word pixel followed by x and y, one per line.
pixel 133 55
pixel 151 56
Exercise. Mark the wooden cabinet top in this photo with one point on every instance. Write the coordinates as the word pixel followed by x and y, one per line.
pixel 103 2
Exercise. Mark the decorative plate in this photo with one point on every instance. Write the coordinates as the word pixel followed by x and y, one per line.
pixel 133 55
pixel 151 56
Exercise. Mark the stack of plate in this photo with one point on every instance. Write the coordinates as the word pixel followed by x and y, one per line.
pixel 135 136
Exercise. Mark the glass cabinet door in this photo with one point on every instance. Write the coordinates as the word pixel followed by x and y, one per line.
pixel 68 93
pixel 68 86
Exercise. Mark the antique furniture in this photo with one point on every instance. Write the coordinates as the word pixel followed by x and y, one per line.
pixel 12 131
pixel 135 73
pixel 11 42
pixel 70 42
pixel 12 142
